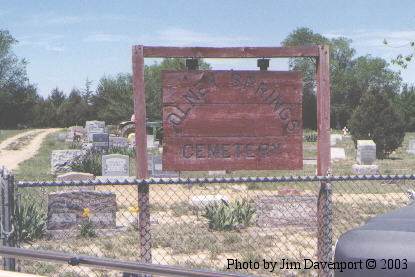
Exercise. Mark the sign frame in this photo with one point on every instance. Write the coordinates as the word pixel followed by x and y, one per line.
pixel 321 55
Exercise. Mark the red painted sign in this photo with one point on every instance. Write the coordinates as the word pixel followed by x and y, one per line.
pixel 232 120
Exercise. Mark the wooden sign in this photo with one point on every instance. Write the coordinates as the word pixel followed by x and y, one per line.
pixel 232 120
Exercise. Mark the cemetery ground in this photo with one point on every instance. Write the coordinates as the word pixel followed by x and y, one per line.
pixel 181 234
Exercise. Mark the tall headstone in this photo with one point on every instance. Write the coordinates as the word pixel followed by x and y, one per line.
pixel 65 209
pixel 365 157
pixel 92 127
pixel 366 152
pixel 155 168
pixel 62 160
pixel 411 147
pixel 115 165
pixel 150 142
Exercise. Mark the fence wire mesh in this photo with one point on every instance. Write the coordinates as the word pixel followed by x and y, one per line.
pixel 201 225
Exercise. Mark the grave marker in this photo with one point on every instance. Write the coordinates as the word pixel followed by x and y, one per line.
pixel 366 152
pixel 65 209
pixel 115 165
pixel 411 147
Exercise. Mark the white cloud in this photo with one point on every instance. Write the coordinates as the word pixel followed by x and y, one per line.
pixel 48 42
pixel 105 37
pixel 184 37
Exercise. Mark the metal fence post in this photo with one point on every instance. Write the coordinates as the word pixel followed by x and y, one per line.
pixel 325 226
pixel 7 211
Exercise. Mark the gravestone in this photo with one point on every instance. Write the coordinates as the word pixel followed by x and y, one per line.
pixel 75 176
pixel 62 160
pixel 365 169
pixel 337 153
pixel 287 210
pixel 411 147
pixel 150 142
pixel 115 165
pixel 155 168
pixel 99 140
pixel 118 142
pixel 95 126
pixel 65 209
pixel 335 138
pixel 365 157
pixel 217 172
pixel 75 133
pixel 366 152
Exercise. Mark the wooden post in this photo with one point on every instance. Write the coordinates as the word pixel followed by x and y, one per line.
pixel 324 207
pixel 141 153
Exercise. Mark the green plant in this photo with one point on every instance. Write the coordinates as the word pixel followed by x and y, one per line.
pixel 89 163
pixel 87 229
pixel 378 120
pixel 28 222
pixel 123 151
pixel 225 216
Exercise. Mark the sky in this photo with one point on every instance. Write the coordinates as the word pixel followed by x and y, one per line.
pixel 66 42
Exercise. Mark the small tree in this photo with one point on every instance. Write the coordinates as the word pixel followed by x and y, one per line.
pixel 377 119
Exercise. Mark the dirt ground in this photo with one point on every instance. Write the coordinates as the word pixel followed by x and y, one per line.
pixel 12 158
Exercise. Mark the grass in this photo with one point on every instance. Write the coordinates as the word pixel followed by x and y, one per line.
pixel 38 167
pixel 5 134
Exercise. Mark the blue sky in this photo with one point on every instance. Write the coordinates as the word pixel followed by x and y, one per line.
pixel 66 42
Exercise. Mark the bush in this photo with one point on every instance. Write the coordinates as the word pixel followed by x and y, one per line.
pixel 310 137
pixel 87 229
pixel 123 151
pixel 225 216
pixel 90 163
pixel 377 119
pixel 29 224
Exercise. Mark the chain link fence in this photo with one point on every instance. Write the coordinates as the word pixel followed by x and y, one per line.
pixel 216 223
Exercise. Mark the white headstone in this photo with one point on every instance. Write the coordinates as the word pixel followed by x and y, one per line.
pixel 337 153
pixel 115 165
pixel 365 169
pixel 150 142
pixel 201 201
pixel 411 147
pixel 95 126
pixel 366 152
pixel 335 138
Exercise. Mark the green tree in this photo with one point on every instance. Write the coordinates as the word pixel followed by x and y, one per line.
pixel 74 111
pixel 17 96
pixel 113 100
pixel 405 102
pixel 376 118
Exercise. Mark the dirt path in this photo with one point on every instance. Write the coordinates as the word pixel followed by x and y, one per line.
pixel 12 158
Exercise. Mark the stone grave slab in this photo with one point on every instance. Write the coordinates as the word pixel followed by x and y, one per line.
pixel 155 168
pixel 337 153
pixel 95 126
pixel 287 210
pixel 100 140
pixel 335 138
pixel 115 165
pixel 201 201
pixel 75 176
pixel 65 209
pixel 118 142
pixel 366 152
pixel 62 160
pixel 365 169
pixel 411 147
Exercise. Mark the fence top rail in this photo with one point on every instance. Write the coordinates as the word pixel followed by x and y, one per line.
pixel 215 180
pixel 229 52
pixel 106 263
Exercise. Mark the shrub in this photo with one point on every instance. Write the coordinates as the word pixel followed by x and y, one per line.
pixel 123 151
pixel 87 229
pixel 90 163
pixel 29 224
pixel 377 119
pixel 225 216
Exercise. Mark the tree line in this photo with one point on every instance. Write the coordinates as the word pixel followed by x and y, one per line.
pixel 352 78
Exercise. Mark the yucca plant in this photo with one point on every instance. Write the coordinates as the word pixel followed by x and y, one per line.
pixel 224 216
pixel 29 224
pixel 90 163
